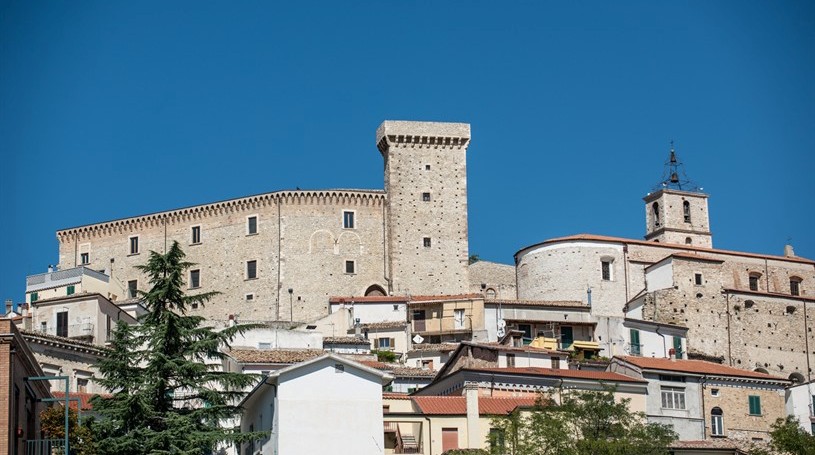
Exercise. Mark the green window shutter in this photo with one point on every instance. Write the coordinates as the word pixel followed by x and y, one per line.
pixel 678 347
pixel 635 342
pixel 71 289
pixel 34 296
pixel 755 405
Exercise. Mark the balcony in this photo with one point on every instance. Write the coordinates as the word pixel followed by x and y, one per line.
pixel 82 330
pixel 61 278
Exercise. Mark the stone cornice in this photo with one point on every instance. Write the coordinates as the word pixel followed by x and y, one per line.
pixel 422 135
pixel 63 343
pixel 297 197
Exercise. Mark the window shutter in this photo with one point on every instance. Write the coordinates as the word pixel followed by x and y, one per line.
pixel 393 343
pixel 755 404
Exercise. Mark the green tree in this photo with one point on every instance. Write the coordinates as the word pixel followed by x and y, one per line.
pixel 788 438
pixel 585 423
pixel 80 438
pixel 168 397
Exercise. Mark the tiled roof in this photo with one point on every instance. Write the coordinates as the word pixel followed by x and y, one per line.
pixel 449 405
pixel 425 298
pixel 603 238
pixel 274 355
pixel 695 366
pixel 395 396
pixel 385 325
pixel 505 347
pixel 399 370
pixel 85 399
pixel 34 336
pixel 540 303
pixel 557 373
pixel 440 347
pixel 695 257
pixel 370 299
pixel 346 340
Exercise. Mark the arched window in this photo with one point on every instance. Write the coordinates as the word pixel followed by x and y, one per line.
pixel 655 208
pixel 716 422
pixel 490 293
pixel 688 240
pixel 375 290
pixel 753 280
pixel 686 211
pixel 761 370
pixel 797 378
pixel 795 285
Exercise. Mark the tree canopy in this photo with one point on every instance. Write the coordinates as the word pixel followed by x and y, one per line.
pixel 169 396
pixel 584 423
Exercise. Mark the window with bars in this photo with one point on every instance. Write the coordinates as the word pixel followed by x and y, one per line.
pixel 605 267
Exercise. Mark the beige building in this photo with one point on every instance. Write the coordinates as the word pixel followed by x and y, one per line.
pixel 747 310
pixel 280 255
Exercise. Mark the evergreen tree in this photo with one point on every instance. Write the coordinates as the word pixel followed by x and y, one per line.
pixel 168 398
pixel 585 423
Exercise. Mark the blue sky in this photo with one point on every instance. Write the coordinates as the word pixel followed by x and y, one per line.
pixel 112 109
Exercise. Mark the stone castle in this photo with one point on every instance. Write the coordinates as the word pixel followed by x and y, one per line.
pixel 280 256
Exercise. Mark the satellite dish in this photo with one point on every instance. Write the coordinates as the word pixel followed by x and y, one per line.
pixel 502 327
pixel 418 339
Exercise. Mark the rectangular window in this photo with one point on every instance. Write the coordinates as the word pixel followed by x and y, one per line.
pixel 426 242
pixel 754 402
pixel 673 397
pixel 556 363
pixel 85 258
pixel 196 235
pixel 510 360
pixel 195 278
pixel 71 289
pixel 108 327
pixel 264 345
pixel 251 270
pixel 81 386
pixel 34 297
pixel 606 269
pixel 426 197
pixel 132 288
pixel 795 287
pixel 350 267
pixel 753 283
pixel 134 245
pixel 697 279
pixel 427 167
pixel 250 297
pixel 348 219
pixel 251 225
pixel 716 425
pixel 636 349
pixel 678 348
pixel 386 343
pixel 458 318
pixel 62 324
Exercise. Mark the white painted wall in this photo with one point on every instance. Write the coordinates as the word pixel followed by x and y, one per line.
pixel 652 344
pixel 531 359
pixel 280 338
pixel 660 276
pixel 798 401
pixel 374 311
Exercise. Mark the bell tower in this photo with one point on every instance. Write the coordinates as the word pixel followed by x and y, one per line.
pixel 676 209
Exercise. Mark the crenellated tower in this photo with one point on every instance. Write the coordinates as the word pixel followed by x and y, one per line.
pixel 676 210
pixel 426 209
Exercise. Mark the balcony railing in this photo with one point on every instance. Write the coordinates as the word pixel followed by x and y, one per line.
pixel 45 447
pixel 61 278
pixel 81 330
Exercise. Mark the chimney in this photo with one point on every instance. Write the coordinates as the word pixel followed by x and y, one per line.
pixel 357 328
pixel 9 306
pixel 788 251
pixel 50 268
pixel 473 428
pixel 672 353
pixel 231 320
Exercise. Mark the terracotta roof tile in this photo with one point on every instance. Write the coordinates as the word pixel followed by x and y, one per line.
pixel 395 396
pixel 399 370
pixel 385 325
pixel 572 374
pixel 369 299
pixel 346 340
pixel 695 366
pixel 85 399
pixel 274 355
pixel 457 405
pixel 441 347
pixel 425 298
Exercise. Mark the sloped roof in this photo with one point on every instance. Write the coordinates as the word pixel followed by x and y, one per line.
pixel 398 370
pixel 558 373
pixel 695 366
pixel 274 355
pixel 347 340
pixel 448 405
pixel 539 303
pixel 440 347
pixel 85 399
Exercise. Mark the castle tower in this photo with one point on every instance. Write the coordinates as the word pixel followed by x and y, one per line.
pixel 426 209
pixel 676 210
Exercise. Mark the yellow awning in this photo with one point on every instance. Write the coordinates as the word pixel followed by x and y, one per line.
pixel 586 345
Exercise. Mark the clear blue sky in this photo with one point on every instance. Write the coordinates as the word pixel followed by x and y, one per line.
pixel 111 109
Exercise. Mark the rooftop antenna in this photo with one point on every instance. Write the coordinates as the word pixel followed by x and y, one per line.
pixel 673 175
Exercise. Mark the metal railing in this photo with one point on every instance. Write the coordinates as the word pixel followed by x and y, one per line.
pixel 45 447
pixel 60 278
pixel 83 329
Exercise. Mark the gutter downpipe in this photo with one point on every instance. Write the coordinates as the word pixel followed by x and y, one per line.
pixel 385 248
pixel 703 384
pixel 625 269
pixel 664 348
pixel 279 235
pixel 729 353
pixel 429 435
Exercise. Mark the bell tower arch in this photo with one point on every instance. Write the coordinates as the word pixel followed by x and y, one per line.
pixel 676 210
